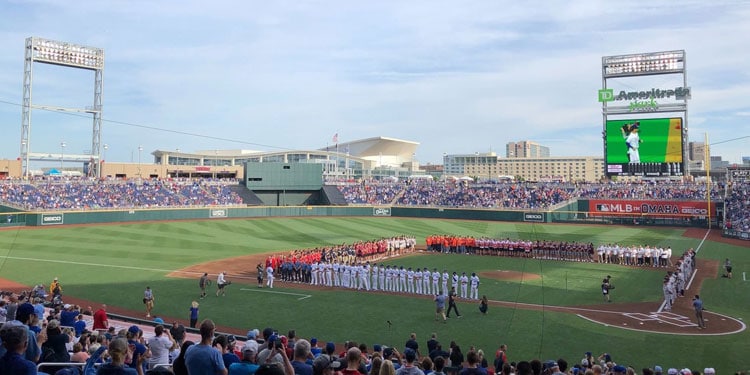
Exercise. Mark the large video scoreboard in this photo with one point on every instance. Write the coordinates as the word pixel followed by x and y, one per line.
pixel 644 147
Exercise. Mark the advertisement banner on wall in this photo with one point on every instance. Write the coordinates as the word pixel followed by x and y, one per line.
pixel 670 209
pixel 52 219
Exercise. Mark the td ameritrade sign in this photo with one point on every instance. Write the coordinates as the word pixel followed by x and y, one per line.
pixel 644 101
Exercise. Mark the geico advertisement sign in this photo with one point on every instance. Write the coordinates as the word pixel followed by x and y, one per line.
pixel 533 216
pixel 52 219
pixel 381 211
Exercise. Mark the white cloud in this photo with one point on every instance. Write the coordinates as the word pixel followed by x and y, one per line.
pixel 456 77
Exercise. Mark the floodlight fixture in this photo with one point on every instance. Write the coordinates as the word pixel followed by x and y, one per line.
pixel 643 64
pixel 67 54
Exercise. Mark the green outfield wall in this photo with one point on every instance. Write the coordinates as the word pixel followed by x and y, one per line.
pixel 574 212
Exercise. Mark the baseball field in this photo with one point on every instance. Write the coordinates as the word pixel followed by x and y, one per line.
pixel 540 308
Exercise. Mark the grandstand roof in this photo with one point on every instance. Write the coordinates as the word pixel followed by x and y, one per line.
pixel 376 147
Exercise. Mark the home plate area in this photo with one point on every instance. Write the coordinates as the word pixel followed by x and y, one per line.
pixel 663 317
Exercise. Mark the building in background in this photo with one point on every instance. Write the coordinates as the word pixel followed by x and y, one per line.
pixel 526 149
pixel 489 167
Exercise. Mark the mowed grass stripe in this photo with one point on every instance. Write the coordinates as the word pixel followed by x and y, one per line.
pixel 340 315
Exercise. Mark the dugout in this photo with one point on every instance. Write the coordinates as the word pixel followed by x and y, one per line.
pixel 286 184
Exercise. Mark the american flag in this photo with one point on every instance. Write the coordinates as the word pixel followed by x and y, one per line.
pixel 336 138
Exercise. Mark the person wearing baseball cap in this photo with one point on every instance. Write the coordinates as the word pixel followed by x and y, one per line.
pixel 324 365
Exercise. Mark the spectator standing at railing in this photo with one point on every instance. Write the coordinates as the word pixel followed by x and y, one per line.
pixel 100 318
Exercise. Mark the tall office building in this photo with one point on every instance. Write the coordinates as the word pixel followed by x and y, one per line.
pixel 526 149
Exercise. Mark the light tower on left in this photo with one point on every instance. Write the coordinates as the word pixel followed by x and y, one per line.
pixel 72 56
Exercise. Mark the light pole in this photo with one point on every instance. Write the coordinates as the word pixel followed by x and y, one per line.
pixel 140 148
pixel 62 155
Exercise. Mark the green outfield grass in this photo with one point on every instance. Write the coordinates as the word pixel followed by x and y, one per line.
pixel 114 263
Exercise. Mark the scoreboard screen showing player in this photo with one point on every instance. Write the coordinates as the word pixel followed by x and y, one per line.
pixel 644 147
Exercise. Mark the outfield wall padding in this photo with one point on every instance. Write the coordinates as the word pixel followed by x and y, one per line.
pixel 574 212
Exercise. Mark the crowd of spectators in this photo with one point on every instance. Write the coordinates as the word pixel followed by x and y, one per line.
pixel 737 207
pixel 161 349
pixel 513 195
pixel 72 193
pixel 650 190
pixel 88 193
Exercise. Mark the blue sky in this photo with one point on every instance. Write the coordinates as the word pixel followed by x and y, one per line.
pixel 458 77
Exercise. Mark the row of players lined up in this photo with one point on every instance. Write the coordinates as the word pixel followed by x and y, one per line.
pixel 675 281
pixel 556 250
pixel 297 264
pixel 396 279
pixel 643 255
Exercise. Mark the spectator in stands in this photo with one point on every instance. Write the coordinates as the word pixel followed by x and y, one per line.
pixel 79 355
pixel 160 345
pixel 301 355
pixel 177 331
pixel 15 338
pixel 79 325
pixel 141 353
pixel 68 315
pixel 24 314
pixel 203 358
pixel 100 318
pixel 118 351
pixel 55 349
pixel 472 368
pixel 178 365
pixel 456 357
pixel 3 312
pixel 410 365
pixel 245 367
pixel 353 357
pixel 387 368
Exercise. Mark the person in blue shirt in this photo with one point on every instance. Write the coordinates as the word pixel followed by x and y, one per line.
pixel 247 366
pixel 79 325
pixel 15 337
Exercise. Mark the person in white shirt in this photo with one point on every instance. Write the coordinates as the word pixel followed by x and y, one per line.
pixel 160 345
pixel 221 282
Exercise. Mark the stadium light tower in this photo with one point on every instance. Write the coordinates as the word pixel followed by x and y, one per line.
pixel 69 55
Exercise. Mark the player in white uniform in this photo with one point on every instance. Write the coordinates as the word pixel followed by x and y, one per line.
pixel 364 276
pixel 426 276
pixel 464 285
pixel 418 281
pixel 269 276
pixel 336 279
pixel 474 286
pixel 374 283
pixel 444 278
pixel 314 273
pixel 633 141
pixel 435 281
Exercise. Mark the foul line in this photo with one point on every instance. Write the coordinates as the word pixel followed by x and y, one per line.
pixel 261 290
